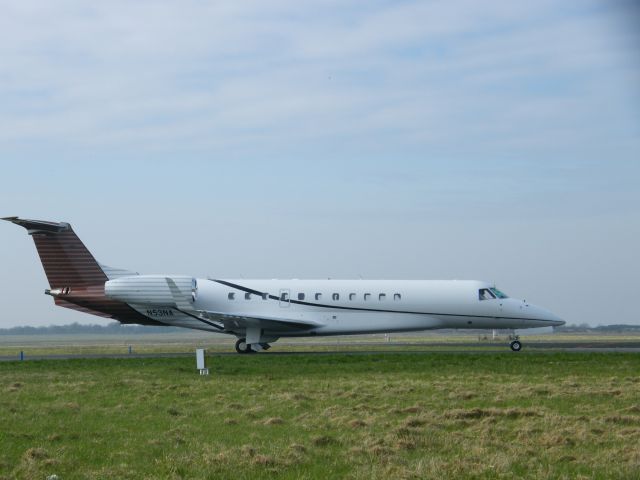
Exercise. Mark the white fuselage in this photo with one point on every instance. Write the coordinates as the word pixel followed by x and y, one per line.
pixel 342 307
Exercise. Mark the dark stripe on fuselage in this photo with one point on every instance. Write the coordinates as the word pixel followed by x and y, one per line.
pixel 338 307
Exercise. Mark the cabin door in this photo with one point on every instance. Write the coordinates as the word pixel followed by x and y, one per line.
pixel 285 298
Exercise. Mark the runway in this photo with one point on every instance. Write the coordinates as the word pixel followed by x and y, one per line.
pixel 412 348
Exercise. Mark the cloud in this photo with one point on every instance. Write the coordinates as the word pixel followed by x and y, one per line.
pixel 217 76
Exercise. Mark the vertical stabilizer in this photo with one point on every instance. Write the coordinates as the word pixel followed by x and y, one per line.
pixel 66 261
pixel 76 279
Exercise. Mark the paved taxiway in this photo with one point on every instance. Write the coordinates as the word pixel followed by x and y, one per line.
pixel 411 348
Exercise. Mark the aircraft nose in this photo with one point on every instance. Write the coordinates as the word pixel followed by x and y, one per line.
pixel 556 321
pixel 548 317
pixel 538 315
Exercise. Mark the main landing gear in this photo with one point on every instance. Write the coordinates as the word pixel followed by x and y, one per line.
pixel 243 347
pixel 515 345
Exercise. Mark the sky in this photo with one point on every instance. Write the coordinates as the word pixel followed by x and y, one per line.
pixel 492 140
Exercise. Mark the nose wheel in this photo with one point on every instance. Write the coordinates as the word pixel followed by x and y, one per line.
pixel 516 346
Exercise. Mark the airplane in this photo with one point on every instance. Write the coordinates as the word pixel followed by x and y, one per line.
pixel 259 312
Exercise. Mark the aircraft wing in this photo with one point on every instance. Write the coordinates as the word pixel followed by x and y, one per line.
pixel 231 322
pixel 272 324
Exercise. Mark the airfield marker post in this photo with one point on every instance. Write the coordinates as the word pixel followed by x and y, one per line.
pixel 21 355
pixel 200 362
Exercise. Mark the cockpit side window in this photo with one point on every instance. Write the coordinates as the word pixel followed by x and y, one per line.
pixel 485 294
pixel 498 293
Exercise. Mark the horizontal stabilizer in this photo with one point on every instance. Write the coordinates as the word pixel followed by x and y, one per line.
pixel 39 226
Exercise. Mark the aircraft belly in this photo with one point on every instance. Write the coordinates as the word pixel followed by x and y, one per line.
pixel 481 322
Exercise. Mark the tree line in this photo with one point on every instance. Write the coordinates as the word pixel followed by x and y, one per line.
pixel 112 328
pixel 584 327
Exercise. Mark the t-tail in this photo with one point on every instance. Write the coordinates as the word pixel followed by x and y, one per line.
pixel 76 279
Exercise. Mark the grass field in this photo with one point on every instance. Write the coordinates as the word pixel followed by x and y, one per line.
pixel 548 415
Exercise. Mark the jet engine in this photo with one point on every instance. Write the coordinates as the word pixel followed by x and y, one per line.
pixel 152 289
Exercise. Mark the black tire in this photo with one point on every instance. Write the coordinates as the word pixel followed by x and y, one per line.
pixel 242 347
pixel 516 346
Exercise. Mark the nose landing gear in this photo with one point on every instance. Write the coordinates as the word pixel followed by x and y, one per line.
pixel 515 345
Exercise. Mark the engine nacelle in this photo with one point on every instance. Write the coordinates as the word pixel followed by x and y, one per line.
pixel 150 289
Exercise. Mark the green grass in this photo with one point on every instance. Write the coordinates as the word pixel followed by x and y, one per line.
pixel 550 415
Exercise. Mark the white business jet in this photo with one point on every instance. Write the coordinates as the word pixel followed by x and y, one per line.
pixel 259 312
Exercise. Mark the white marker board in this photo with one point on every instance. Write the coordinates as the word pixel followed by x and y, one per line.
pixel 200 359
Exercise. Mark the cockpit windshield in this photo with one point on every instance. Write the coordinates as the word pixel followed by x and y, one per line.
pixel 490 293
pixel 498 293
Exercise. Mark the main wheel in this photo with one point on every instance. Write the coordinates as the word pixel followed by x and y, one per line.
pixel 242 346
pixel 516 346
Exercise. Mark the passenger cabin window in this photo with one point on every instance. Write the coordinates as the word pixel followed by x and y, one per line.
pixel 301 296
pixel 396 296
pixel 485 294
pixel 284 297
pixel 382 296
pixel 367 297
pixel 336 296
pixel 247 296
pixel 318 296
pixel 352 296
pixel 265 296
pixel 232 296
